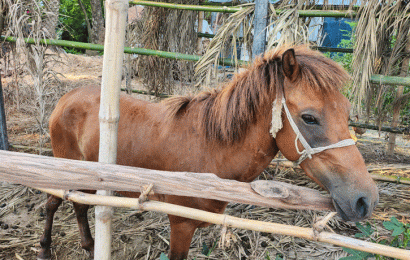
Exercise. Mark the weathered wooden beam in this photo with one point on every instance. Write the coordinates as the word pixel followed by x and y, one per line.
pixel 57 173
pixel 260 23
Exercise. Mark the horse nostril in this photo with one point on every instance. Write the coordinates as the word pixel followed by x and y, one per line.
pixel 362 207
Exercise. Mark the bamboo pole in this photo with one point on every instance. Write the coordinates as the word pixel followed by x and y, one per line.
pixel 233 222
pixel 375 79
pixel 116 16
pixel 400 89
pixel 233 9
pixel 396 130
pixel 140 51
pixel 4 143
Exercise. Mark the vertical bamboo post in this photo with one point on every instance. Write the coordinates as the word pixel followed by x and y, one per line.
pixel 260 23
pixel 201 16
pixel 4 144
pixel 400 89
pixel 116 14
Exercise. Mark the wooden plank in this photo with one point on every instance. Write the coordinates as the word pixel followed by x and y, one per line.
pixel 48 172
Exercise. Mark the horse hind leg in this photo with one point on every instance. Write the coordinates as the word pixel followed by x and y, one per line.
pixel 52 205
pixel 87 241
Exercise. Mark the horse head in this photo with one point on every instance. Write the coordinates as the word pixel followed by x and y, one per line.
pixel 315 131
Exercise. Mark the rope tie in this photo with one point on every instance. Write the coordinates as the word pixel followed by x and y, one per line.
pixel 309 151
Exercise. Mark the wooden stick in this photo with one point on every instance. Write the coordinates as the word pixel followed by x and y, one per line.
pixel 49 172
pixel 233 222
pixel 116 16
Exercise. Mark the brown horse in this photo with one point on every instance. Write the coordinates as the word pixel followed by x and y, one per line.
pixel 228 132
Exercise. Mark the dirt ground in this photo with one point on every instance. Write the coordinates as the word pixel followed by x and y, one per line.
pixel 145 235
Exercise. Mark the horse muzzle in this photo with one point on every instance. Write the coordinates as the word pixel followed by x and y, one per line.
pixel 355 206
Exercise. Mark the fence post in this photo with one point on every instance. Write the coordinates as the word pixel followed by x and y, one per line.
pixel 116 16
pixel 260 23
pixel 4 143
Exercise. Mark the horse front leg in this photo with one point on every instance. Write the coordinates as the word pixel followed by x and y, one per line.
pixel 182 231
pixel 87 241
pixel 52 205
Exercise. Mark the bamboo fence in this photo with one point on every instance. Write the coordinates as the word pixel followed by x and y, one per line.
pixel 40 171
pixel 376 79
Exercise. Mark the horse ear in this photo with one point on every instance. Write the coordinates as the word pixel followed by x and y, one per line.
pixel 290 65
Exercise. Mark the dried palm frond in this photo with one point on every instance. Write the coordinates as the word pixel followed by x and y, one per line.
pixel 227 36
pixel 288 28
pixel 31 19
pixel 166 30
pixel 375 51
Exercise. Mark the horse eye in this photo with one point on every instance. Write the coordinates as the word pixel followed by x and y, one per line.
pixel 310 120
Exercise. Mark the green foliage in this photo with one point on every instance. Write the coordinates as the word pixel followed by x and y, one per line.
pixel 355 255
pixel 206 250
pixel 163 257
pixel 345 59
pixel 400 234
pixel 366 231
pixel 73 25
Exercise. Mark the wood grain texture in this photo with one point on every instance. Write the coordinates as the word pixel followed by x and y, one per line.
pixel 57 173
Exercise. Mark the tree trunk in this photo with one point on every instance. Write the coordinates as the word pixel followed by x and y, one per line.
pixel 87 21
pixel 53 8
pixel 399 94
pixel 97 23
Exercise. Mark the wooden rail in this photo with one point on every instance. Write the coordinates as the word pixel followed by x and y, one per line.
pixel 49 172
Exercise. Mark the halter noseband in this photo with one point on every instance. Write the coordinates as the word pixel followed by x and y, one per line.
pixel 309 151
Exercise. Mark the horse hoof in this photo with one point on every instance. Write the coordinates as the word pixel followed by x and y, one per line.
pixel 44 254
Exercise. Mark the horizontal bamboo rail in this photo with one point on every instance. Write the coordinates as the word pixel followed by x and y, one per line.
pixel 57 173
pixel 375 176
pixel 140 51
pixel 233 9
pixel 396 130
pixel 376 79
pixel 313 234
pixel 390 80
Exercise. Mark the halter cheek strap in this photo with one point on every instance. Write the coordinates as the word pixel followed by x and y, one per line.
pixel 309 151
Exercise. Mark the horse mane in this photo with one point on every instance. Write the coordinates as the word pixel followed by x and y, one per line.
pixel 225 114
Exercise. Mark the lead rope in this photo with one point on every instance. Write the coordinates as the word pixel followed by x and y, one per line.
pixel 309 151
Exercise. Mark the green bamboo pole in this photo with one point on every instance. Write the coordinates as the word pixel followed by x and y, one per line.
pixel 140 51
pixel 233 9
pixel 396 130
pixel 390 80
pixel 219 9
pixel 375 79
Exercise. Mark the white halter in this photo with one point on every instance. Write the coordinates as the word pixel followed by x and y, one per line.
pixel 309 151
